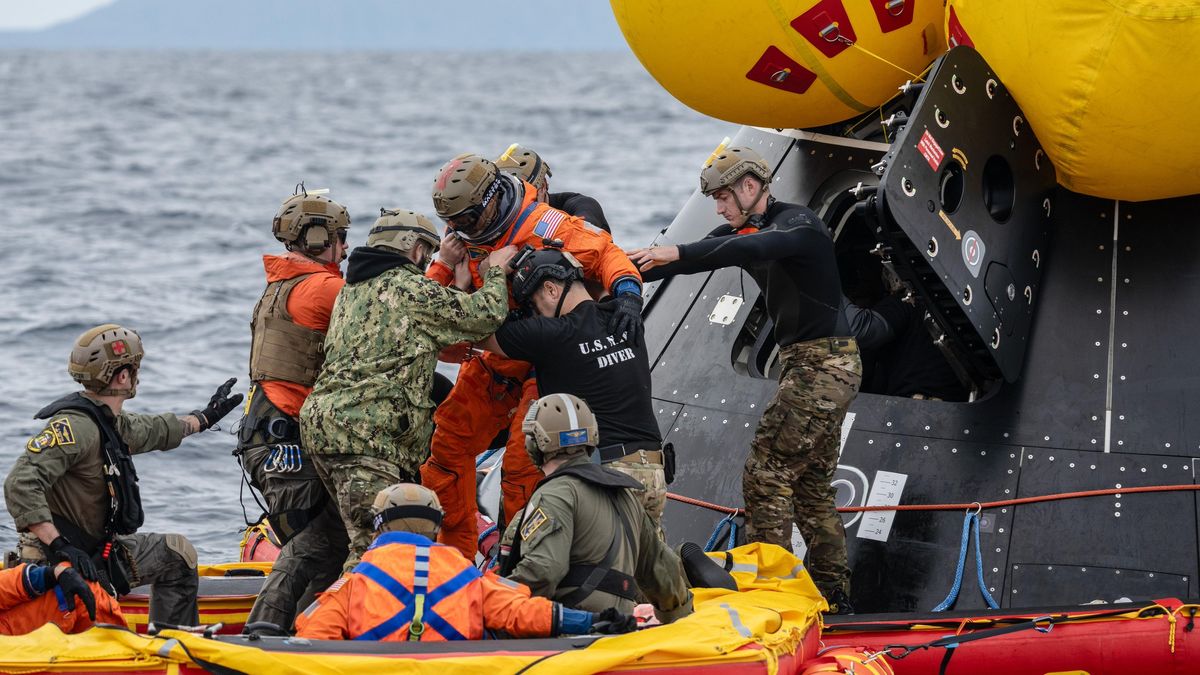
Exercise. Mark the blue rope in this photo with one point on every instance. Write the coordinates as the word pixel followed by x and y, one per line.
pixel 971 520
pixel 729 521
pixel 486 456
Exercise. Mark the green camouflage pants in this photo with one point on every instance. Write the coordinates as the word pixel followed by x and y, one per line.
pixel 794 454
pixel 312 558
pixel 353 482
pixel 651 475
pixel 165 562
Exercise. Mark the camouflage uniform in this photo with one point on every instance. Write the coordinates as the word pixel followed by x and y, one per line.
pixel 368 421
pixel 60 474
pixel 650 475
pixel 794 455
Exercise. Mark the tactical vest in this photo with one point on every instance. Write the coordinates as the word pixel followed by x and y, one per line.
pixel 603 575
pixel 125 514
pixel 280 348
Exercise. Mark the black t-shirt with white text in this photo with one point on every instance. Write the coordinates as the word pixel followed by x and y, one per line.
pixel 576 354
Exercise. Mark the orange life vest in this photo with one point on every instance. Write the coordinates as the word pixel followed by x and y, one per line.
pixel 431 594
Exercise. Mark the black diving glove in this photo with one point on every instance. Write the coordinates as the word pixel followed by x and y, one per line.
pixel 73 586
pixel 612 622
pixel 627 317
pixel 219 405
pixel 64 551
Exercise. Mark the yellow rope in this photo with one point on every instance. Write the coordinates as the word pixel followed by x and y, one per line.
pixel 876 56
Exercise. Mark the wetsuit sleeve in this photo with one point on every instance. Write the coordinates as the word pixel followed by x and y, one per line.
pixel 546 534
pixel 870 328
pixel 328 617
pixel 41 465
pixel 311 301
pixel 508 607
pixel 440 272
pixel 532 339
pixel 450 315
pixel 13 587
pixel 660 576
pixel 665 271
pixel 744 250
pixel 602 260
pixel 143 433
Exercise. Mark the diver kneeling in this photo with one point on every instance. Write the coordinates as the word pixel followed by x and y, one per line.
pixel 585 539
pixel 408 588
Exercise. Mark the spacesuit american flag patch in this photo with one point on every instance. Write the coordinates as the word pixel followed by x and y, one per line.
pixel 548 224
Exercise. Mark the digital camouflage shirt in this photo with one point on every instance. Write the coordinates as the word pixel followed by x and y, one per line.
pixel 372 396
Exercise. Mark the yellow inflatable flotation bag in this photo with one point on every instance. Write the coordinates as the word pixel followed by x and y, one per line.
pixel 1109 87
pixel 783 64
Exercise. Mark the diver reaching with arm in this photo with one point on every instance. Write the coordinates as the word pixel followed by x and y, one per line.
pixel 794 453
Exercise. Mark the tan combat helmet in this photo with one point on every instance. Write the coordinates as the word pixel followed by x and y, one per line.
pixel 100 352
pixel 308 221
pixel 465 182
pixel 558 424
pixel 725 166
pixel 521 161
pixel 408 507
pixel 400 230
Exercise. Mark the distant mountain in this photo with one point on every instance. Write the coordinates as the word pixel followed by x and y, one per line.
pixel 452 25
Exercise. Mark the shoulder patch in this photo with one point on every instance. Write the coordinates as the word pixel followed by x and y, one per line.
pixel 43 440
pixel 333 588
pixel 63 433
pixel 532 522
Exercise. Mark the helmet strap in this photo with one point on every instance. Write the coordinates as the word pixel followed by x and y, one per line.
pixel 410 511
pixel 563 297
pixel 108 390
pixel 745 210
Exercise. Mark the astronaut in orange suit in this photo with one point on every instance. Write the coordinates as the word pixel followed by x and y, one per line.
pixel 486 209
pixel 32 596
pixel 407 588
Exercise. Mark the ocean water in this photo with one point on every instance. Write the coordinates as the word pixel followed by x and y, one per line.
pixel 138 188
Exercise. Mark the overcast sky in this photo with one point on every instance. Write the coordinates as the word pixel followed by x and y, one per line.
pixel 42 13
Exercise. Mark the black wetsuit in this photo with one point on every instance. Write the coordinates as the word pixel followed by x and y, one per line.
pixel 576 354
pixel 791 257
pixel 581 206
pixel 910 364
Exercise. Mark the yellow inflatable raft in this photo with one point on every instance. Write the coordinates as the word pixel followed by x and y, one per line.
pixel 771 625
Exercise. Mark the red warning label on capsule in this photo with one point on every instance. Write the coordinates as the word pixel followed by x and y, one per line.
pixel 932 152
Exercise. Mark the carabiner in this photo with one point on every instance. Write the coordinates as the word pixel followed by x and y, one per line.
pixel 271 461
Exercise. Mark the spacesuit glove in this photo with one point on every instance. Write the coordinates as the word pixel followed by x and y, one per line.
pixel 627 317
pixel 572 621
pixel 218 406
pixel 64 551
pixel 73 586
pixel 612 622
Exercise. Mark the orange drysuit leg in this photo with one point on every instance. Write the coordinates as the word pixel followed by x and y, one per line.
pixel 477 408
pixel 520 475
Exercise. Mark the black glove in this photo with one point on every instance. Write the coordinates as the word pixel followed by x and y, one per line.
pixel 219 405
pixel 65 551
pixel 73 586
pixel 612 622
pixel 627 317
